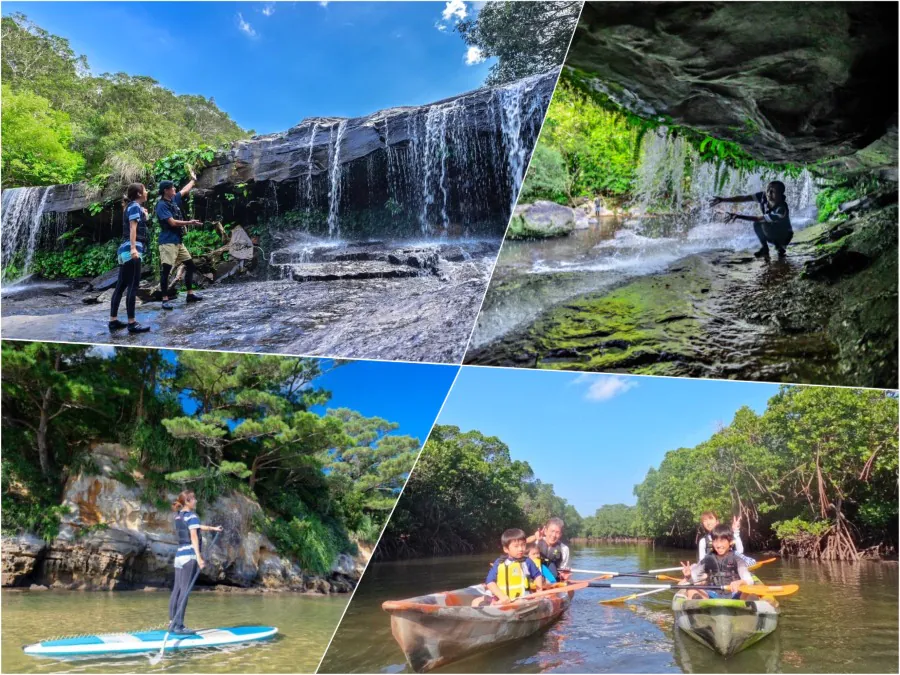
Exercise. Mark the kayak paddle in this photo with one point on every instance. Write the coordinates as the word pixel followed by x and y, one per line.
pixel 156 658
pixel 750 589
pixel 626 598
pixel 647 573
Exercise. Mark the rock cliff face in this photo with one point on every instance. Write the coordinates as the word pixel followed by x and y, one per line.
pixel 111 539
pixel 794 82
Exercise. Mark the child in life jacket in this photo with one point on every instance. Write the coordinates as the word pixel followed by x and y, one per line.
pixel 721 567
pixel 513 575
pixel 709 521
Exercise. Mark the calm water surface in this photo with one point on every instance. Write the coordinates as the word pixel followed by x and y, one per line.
pixel 843 620
pixel 305 625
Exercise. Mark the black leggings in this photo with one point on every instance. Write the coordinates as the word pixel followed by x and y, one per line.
pixel 180 589
pixel 129 279
pixel 165 270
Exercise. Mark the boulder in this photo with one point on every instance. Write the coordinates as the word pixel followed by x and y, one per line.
pixel 21 554
pixel 544 219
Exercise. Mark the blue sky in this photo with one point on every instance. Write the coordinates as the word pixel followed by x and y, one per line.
pixel 594 436
pixel 270 65
pixel 409 394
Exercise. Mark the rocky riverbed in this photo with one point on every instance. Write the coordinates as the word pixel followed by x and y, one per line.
pixel 113 538
pixel 404 301
pixel 827 314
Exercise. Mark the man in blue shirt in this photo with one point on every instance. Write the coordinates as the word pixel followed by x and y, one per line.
pixel 172 252
pixel 774 225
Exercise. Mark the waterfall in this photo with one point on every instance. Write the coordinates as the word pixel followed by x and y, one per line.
pixel 309 173
pixel 334 193
pixel 672 178
pixel 435 158
pixel 20 223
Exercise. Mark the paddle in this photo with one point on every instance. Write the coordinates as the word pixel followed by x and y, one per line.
pixel 156 658
pixel 750 589
pixel 577 586
pixel 661 577
pixel 647 573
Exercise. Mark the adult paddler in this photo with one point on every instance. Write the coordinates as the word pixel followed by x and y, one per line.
pixel 554 553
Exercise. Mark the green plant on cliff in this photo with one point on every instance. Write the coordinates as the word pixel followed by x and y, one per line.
pixel 547 177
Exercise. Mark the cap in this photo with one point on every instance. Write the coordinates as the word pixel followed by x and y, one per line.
pixel 165 185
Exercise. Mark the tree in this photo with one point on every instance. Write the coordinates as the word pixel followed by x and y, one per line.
pixel 369 468
pixel 36 142
pixel 547 177
pixel 42 382
pixel 526 37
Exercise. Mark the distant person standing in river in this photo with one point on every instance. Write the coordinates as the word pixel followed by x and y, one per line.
pixel 773 226
pixel 172 251
pixel 136 243
pixel 188 557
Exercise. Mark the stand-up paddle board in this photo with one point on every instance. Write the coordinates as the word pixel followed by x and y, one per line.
pixel 148 641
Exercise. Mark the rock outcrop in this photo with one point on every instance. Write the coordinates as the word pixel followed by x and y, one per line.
pixel 542 219
pixel 792 82
pixel 113 539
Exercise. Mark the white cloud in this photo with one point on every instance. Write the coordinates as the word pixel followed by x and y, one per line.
pixel 605 387
pixel 454 8
pixel 268 9
pixel 245 27
pixel 323 3
pixel 473 56
pixel 105 351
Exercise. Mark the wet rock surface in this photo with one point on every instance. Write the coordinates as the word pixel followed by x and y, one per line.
pixel 542 219
pixel 791 83
pixel 422 312
pixel 810 318
pixel 113 539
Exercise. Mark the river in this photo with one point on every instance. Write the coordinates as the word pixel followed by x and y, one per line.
pixel 305 625
pixel 842 620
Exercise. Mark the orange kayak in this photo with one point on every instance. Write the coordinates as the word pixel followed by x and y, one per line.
pixel 437 629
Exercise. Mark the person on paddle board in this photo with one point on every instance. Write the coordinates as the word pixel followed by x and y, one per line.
pixel 773 226
pixel 720 567
pixel 188 557
pixel 513 574
pixel 709 520
pixel 554 553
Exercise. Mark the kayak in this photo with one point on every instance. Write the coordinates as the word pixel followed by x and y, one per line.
pixel 724 625
pixel 147 641
pixel 437 629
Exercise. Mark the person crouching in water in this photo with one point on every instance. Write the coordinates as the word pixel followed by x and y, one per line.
pixel 721 567
pixel 129 254
pixel 773 226
pixel 172 251
pixel 188 557
pixel 513 575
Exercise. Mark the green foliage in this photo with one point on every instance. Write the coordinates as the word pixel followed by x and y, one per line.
pixel 37 142
pixel 314 544
pixel 547 177
pixel 29 501
pixel 465 491
pixel 506 30
pixel 613 520
pixel 201 242
pixel 78 259
pixel 112 125
pixel 829 200
pixel 817 456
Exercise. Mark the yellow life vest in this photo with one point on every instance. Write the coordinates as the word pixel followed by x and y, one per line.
pixel 512 578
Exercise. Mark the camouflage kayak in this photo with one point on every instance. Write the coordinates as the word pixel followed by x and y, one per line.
pixel 437 629
pixel 724 625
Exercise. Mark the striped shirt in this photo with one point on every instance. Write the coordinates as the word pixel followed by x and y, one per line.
pixel 185 521
pixel 779 215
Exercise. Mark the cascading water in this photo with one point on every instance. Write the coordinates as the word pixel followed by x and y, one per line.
pixel 334 193
pixel 309 163
pixel 20 224
pixel 453 164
